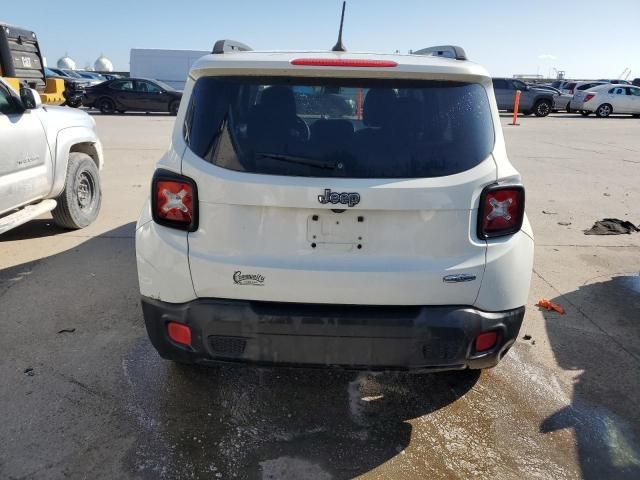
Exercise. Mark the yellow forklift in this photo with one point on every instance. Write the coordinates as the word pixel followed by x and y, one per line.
pixel 21 64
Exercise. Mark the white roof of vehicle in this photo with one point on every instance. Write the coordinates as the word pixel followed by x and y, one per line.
pixel 604 87
pixel 279 63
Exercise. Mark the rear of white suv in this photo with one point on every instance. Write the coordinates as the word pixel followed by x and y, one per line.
pixel 334 209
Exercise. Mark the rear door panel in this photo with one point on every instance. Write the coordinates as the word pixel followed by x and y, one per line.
pixel 256 238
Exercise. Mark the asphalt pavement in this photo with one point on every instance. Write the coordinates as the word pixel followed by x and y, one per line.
pixel 84 395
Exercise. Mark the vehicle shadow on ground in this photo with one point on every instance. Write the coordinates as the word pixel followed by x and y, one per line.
pixel 247 422
pixel 38 228
pixel 594 117
pixel 600 335
pixel 129 114
pixel 567 115
pixel 102 388
pixel 70 317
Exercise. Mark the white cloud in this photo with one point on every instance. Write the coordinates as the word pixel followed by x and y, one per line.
pixel 547 56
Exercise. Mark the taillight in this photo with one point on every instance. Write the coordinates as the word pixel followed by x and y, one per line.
pixel 501 210
pixel 588 97
pixel 174 201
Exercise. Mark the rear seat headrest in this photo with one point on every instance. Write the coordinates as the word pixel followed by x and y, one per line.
pixel 378 106
pixel 279 98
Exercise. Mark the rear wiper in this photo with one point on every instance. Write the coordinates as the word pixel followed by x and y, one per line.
pixel 312 162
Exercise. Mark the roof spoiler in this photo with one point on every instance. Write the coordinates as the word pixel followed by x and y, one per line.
pixel 226 46
pixel 448 51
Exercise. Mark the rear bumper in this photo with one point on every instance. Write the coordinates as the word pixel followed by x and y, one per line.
pixel 317 335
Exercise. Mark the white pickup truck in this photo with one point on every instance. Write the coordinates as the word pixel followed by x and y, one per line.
pixel 50 158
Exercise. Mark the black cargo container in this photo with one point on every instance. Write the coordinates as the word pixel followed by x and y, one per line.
pixel 20 56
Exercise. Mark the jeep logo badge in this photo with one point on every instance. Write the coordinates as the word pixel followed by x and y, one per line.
pixel 350 199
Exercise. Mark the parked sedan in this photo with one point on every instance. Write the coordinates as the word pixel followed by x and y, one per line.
pixel 72 74
pixel 607 99
pixel 96 77
pixel 572 87
pixel 133 94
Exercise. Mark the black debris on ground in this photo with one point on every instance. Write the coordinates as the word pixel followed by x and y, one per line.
pixel 67 330
pixel 527 337
pixel 29 371
pixel 612 226
pixel 564 224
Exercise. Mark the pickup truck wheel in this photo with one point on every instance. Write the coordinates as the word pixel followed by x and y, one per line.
pixel 542 108
pixel 106 106
pixel 604 110
pixel 79 202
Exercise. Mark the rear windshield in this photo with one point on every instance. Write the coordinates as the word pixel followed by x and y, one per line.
pixel 355 128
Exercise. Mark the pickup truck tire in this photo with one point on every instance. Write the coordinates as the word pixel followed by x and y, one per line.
pixel 542 108
pixel 79 202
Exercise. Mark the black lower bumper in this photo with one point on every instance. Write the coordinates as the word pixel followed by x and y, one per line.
pixel 347 336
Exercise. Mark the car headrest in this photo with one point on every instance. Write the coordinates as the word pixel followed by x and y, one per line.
pixel 378 106
pixel 279 98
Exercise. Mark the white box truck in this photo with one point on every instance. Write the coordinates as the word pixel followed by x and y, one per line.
pixel 168 66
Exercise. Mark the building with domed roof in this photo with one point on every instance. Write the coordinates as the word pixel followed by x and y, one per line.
pixel 103 64
pixel 67 62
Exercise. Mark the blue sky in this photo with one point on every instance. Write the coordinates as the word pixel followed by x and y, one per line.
pixel 586 38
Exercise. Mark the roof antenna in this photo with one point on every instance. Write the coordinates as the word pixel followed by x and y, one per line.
pixel 339 47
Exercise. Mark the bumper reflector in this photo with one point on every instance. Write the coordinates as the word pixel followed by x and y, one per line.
pixel 179 333
pixel 486 341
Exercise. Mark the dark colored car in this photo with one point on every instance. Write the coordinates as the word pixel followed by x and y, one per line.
pixel 73 87
pixel 132 94
pixel 532 99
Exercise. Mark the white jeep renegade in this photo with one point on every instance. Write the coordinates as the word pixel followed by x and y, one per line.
pixel 339 209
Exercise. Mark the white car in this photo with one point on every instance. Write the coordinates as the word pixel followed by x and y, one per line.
pixel 571 88
pixel 336 209
pixel 607 99
pixel 50 159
